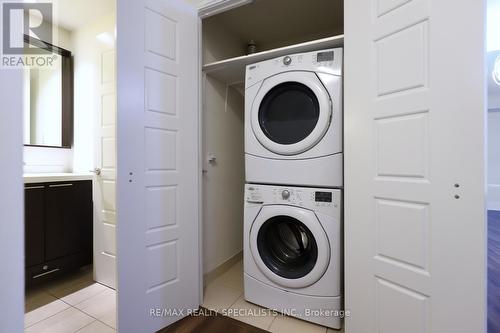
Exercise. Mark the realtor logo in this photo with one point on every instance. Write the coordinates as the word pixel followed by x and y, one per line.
pixel 27 34
pixel 26 19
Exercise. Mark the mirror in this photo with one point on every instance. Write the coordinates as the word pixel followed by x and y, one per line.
pixel 48 99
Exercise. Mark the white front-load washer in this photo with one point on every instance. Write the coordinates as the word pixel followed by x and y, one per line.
pixel 293 120
pixel 292 251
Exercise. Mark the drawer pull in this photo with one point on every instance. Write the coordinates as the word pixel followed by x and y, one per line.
pixel 33 187
pixel 46 273
pixel 61 185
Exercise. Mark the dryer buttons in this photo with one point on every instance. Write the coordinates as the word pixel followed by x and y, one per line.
pixel 287 60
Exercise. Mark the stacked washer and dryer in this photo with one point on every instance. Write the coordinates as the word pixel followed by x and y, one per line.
pixel 293 196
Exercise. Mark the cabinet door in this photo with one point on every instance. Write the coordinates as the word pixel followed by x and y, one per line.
pixel 62 231
pixel 34 225
pixel 84 219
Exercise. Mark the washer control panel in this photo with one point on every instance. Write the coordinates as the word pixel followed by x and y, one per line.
pixel 288 195
pixel 295 196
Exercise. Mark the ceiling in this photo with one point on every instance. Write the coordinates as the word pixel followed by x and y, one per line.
pixel 72 14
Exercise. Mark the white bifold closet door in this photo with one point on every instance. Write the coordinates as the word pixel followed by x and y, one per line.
pixel 158 173
pixel 415 228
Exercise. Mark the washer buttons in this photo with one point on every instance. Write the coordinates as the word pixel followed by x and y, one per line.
pixel 285 194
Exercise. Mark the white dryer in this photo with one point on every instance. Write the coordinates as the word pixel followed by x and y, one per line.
pixel 292 251
pixel 293 120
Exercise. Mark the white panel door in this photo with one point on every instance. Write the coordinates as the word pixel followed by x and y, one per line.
pixel 415 229
pixel 105 159
pixel 158 171
pixel 11 201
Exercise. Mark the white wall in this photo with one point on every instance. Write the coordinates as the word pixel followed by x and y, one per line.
pixel 494 101
pixel 87 86
pixel 43 159
pixel 493 25
pixel 494 152
pixel 223 181
pixel 220 43
pixel 493 46
pixel 494 160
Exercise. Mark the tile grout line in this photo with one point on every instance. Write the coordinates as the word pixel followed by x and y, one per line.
pixel 271 324
pixel 86 299
pixel 69 306
pixel 239 296
pixel 113 328
pixel 45 318
pixel 91 316
pixel 81 328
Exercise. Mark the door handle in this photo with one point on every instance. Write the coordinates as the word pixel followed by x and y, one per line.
pixel 46 273
pixel 97 171
pixel 33 187
pixel 61 185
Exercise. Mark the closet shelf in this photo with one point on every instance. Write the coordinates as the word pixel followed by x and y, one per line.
pixel 232 71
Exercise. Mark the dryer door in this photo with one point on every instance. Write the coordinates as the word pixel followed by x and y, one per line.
pixel 291 112
pixel 289 245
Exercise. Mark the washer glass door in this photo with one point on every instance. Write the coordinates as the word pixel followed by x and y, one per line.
pixel 287 247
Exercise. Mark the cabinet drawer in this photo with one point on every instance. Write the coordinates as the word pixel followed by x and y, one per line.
pixel 51 269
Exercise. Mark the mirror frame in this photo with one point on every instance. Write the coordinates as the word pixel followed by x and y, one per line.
pixel 67 91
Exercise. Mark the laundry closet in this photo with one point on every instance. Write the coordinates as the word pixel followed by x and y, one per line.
pixel 257 31
pixel 278 28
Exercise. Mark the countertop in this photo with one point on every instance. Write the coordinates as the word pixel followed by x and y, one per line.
pixel 30 178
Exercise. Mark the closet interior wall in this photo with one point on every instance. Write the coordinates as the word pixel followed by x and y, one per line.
pixel 223 139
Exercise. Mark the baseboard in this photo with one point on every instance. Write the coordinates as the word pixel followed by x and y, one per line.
pixel 222 268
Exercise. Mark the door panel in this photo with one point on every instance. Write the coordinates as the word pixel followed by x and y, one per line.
pixel 105 159
pixel 415 172
pixel 158 75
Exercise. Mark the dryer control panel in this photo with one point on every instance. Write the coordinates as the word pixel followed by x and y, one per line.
pixel 327 61
pixel 314 199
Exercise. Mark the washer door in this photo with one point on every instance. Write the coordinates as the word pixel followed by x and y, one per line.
pixel 289 246
pixel 291 112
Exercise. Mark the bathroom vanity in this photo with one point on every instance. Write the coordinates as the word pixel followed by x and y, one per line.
pixel 58 225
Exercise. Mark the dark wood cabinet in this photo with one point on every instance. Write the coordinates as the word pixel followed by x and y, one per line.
pixel 34 211
pixel 58 228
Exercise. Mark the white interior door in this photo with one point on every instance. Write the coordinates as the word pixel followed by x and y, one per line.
pixel 415 229
pixel 105 162
pixel 11 201
pixel 158 168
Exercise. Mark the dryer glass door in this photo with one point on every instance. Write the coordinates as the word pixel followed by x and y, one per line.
pixel 291 112
pixel 287 247
pixel 297 122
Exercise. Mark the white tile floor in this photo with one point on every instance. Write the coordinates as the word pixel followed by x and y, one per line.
pixel 72 304
pixel 226 292
pixel 78 304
